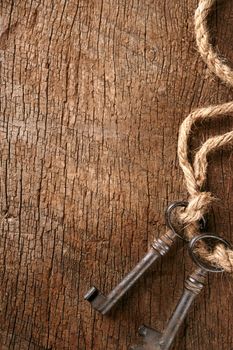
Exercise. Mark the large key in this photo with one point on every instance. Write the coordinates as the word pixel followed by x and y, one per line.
pixel 153 340
pixel 158 248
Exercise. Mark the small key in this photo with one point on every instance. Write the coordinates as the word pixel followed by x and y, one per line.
pixel 153 340
pixel 158 248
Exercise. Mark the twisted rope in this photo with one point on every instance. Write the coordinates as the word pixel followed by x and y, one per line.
pixel 195 174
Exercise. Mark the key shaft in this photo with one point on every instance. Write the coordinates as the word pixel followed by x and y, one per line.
pixel 153 340
pixel 158 248
pixel 193 286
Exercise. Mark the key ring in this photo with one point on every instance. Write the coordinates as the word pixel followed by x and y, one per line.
pixel 198 261
pixel 168 220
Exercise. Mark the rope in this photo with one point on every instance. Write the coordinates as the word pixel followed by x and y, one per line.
pixel 195 174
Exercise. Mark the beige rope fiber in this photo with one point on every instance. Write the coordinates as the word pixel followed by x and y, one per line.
pixel 211 58
pixel 195 174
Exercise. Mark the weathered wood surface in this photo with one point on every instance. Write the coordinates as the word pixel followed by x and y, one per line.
pixel 92 95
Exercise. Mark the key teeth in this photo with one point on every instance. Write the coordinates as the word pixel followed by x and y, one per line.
pixel 91 294
pixel 142 330
pixel 151 339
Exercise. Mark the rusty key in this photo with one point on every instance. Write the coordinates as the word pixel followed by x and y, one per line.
pixel 153 340
pixel 158 248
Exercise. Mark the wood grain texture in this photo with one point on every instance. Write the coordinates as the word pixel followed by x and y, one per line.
pixel 92 96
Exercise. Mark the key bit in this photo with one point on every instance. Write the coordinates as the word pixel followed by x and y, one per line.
pixel 153 340
pixel 159 247
pixel 150 338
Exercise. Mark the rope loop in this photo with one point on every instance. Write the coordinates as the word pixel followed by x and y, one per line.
pixel 195 173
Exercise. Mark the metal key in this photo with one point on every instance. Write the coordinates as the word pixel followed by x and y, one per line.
pixel 158 248
pixel 153 340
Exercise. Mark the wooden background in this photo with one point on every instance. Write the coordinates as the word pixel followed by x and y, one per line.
pixel 92 96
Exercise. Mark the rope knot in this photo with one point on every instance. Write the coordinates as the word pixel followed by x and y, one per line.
pixel 197 207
